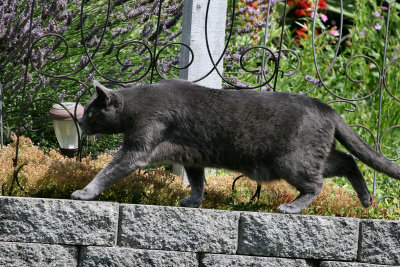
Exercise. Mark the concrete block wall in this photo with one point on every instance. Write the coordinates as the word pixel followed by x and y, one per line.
pixel 50 232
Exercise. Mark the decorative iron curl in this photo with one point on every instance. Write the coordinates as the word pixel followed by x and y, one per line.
pixel 153 55
pixel 51 59
pixel 381 139
pixel 385 197
pixel 321 78
pixel 368 130
pixel 347 102
pixel 341 40
pixel 263 72
pixel 146 47
pixel 226 43
pixel 384 78
pixel 257 71
pixel 55 59
pixel 175 67
pixel 256 194
pixel 15 180
pixel 21 112
pixel 215 64
pixel 360 81
pixel 100 41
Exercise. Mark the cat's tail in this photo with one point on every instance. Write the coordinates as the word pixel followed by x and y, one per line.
pixel 359 148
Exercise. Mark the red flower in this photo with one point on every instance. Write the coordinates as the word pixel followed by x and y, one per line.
pixel 300 13
pixel 322 4
pixel 253 4
pixel 304 4
pixel 301 33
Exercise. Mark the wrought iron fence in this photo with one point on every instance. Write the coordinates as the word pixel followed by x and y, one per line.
pixel 150 51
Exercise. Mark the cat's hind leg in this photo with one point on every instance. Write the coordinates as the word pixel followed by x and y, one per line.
pixel 339 163
pixel 309 190
pixel 305 175
pixel 196 179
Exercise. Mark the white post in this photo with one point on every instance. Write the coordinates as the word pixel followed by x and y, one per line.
pixel 193 35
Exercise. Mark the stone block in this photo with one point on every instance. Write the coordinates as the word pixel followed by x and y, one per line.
pixel 380 242
pixel 179 229
pixel 30 254
pixel 219 260
pixel 58 221
pixel 298 236
pixel 349 264
pixel 118 257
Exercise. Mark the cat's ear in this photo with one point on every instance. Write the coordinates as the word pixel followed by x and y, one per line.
pixel 102 91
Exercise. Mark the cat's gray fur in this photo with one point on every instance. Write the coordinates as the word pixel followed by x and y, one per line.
pixel 266 136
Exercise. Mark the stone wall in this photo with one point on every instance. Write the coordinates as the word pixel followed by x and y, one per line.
pixel 48 232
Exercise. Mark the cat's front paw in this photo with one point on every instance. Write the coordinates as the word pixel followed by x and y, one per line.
pixel 289 209
pixel 83 195
pixel 366 201
pixel 190 202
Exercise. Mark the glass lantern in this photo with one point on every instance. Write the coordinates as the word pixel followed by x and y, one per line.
pixel 67 132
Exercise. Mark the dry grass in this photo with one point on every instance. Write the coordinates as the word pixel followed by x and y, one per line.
pixel 332 201
pixel 55 176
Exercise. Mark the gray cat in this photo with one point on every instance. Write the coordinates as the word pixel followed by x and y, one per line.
pixel 266 136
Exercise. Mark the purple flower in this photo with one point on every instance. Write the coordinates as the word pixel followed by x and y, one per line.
pixel 362 32
pixel 267 88
pixel 384 8
pixel 376 14
pixel 62 95
pixel 311 79
pixel 377 27
pixel 394 58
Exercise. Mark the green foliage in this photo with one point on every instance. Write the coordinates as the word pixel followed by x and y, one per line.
pixel 361 49
pixel 354 73
pixel 61 69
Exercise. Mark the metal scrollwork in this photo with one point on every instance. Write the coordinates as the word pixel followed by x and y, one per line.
pixel 145 55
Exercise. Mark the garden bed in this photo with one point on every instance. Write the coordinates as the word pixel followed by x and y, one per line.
pixel 51 175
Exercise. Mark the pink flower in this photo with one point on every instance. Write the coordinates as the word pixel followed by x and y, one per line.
pixel 384 8
pixel 376 14
pixel 377 27
pixel 323 17
pixel 334 31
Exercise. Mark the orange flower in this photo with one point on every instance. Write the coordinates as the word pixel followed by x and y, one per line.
pixel 254 5
pixel 301 33
pixel 300 13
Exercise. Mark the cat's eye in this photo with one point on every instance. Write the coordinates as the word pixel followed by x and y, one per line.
pixel 90 114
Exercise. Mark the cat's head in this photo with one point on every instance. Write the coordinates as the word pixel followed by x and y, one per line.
pixel 103 113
